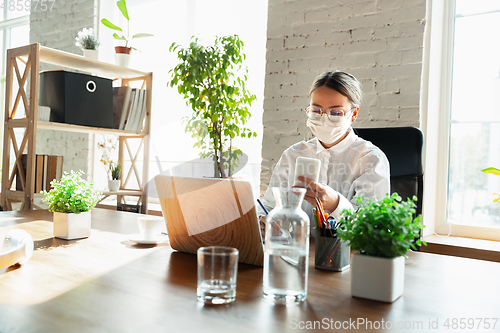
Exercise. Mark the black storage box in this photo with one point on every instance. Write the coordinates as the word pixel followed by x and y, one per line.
pixel 76 98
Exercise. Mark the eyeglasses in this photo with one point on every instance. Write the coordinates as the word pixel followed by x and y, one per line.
pixel 315 113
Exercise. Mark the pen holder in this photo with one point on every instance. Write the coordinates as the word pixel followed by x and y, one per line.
pixel 331 253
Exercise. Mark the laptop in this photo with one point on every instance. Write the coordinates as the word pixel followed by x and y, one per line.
pixel 211 211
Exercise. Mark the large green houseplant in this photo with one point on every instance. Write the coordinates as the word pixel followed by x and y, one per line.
pixel 212 80
pixel 382 231
pixel 71 199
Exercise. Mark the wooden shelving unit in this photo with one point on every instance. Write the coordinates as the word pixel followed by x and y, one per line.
pixel 29 58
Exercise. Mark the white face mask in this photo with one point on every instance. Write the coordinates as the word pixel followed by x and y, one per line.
pixel 328 131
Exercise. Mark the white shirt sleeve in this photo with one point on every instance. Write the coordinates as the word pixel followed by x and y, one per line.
pixel 279 178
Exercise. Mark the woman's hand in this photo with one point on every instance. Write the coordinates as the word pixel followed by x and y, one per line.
pixel 325 194
pixel 276 230
pixel 262 224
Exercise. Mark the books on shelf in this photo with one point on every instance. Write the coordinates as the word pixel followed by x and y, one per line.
pixel 129 108
pixel 47 168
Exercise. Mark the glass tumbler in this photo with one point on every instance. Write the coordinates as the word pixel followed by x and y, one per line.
pixel 217 270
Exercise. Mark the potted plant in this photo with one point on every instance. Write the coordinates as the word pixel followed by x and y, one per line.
pixel 71 200
pixel 88 42
pixel 115 169
pixel 493 171
pixel 212 81
pixel 122 55
pixel 108 145
pixel 382 231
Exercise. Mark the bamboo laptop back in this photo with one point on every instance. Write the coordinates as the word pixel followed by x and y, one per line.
pixel 210 211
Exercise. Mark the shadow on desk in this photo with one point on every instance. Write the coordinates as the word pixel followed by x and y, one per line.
pixel 44 244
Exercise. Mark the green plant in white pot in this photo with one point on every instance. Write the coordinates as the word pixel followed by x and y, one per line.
pixel 122 55
pixel 382 231
pixel 88 42
pixel 71 200
pixel 115 169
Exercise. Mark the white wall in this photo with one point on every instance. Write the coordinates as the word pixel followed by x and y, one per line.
pixel 380 42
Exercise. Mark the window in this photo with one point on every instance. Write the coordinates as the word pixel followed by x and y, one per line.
pixel 467 117
pixel 171 149
pixel 14 32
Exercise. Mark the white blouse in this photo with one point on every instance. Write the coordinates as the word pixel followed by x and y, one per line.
pixel 352 167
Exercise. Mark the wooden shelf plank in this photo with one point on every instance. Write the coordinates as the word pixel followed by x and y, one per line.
pixel 86 129
pixel 70 60
pixel 31 55
pixel 124 192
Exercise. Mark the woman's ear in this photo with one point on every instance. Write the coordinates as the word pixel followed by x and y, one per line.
pixel 354 114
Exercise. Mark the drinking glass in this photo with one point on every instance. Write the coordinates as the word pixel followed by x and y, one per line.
pixel 217 270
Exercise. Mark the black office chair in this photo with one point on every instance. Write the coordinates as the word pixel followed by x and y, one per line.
pixel 403 148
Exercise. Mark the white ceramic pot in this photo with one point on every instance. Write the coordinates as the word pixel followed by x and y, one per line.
pixel 72 226
pixel 113 185
pixel 380 279
pixel 92 54
pixel 122 59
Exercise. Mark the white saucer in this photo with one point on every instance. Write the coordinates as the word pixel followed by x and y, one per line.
pixel 158 240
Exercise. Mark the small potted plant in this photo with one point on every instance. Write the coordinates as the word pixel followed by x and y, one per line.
pixel 71 200
pixel 122 55
pixel 88 42
pixel 115 169
pixel 382 231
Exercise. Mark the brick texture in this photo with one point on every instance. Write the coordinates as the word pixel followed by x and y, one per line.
pixel 57 28
pixel 380 42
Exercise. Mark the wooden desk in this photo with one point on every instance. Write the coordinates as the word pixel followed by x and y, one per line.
pixel 153 289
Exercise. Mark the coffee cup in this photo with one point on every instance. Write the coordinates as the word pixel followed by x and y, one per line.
pixel 150 226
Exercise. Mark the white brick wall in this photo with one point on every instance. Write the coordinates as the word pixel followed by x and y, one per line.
pixel 57 29
pixel 380 42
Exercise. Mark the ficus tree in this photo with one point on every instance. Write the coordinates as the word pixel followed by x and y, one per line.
pixel 212 81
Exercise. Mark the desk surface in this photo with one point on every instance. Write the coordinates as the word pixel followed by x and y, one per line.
pixel 114 286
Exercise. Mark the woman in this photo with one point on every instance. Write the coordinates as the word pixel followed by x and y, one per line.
pixel 349 165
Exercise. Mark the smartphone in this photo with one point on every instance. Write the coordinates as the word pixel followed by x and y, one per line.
pixel 306 167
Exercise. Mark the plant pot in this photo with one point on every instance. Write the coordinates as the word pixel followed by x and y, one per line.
pixel 380 279
pixel 72 226
pixel 92 54
pixel 113 185
pixel 122 56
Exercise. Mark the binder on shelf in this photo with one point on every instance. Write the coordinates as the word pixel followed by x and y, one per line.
pixel 59 167
pixel 47 168
pixel 130 110
pixel 39 173
pixel 138 111
pixel 140 123
pixel 45 165
pixel 121 104
pixel 24 163
pixel 135 117
pixel 51 170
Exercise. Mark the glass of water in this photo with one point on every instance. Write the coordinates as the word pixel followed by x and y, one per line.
pixel 217 270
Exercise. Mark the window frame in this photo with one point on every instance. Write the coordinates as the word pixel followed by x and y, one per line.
pixel 435 120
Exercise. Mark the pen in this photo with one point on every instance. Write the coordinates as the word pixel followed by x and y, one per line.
pixel 264 208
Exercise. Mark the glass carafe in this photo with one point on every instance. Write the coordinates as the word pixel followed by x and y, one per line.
pixel 286 255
